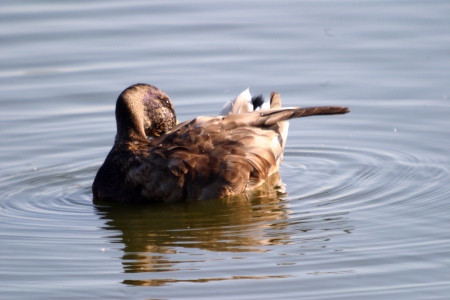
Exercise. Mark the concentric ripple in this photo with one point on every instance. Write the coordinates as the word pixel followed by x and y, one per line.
pixel 361 177
pixel 45 197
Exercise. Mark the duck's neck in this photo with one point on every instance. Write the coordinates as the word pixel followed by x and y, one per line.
pixel 129 121
pixel 130 131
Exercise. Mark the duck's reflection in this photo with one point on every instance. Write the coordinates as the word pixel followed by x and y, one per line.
pixel 155 235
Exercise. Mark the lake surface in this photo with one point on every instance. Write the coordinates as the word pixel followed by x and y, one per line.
pixel 366 208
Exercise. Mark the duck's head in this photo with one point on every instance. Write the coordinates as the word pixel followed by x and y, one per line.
pixel 143 111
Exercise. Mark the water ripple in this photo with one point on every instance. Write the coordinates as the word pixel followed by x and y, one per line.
pixel 43 197
pixel 358 178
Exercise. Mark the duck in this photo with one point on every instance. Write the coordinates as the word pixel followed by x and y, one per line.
pixel 156 159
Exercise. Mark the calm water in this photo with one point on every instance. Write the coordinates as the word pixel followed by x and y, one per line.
pixel 366 211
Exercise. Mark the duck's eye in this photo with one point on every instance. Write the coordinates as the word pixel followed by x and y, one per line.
pixel 166 101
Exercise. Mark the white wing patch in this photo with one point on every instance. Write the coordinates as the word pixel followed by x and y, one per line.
pixel 238 105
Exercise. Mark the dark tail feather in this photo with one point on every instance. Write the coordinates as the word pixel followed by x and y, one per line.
pixel 277 114
pixel 271 117
pixel 319 110
pixel 275 102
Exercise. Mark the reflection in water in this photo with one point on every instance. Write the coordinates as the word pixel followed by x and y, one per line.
pixel 231 224
pixel 155 235
pixel 156 282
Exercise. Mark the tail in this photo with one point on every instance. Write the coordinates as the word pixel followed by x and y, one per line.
pixel 276 113
pixel 319 110
pixel 275 102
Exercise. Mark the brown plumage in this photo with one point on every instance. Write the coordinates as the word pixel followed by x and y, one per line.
pixel 207 157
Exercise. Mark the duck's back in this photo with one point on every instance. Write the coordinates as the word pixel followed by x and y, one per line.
pixel 209 158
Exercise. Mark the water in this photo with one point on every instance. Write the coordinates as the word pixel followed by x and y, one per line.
pixel 366 210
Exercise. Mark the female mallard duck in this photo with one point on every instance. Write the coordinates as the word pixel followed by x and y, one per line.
pixel 153 159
